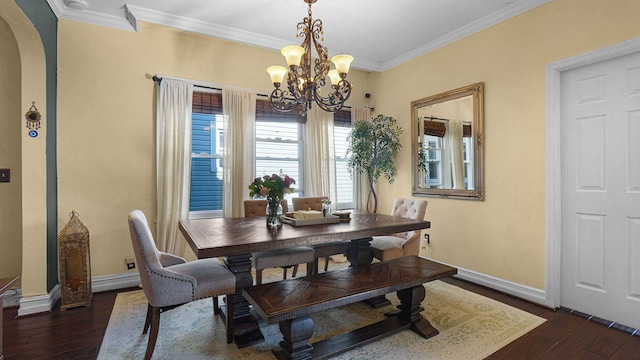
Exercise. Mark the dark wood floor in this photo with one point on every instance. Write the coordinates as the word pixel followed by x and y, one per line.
pixel 77 333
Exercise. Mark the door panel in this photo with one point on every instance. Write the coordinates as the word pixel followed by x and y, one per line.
pixel 600 270
pixel 589 238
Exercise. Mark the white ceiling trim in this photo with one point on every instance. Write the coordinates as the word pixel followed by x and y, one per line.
pixel 135 14
pixel 224 32
pixel 460 33
pixel 88 16
pixel 205 28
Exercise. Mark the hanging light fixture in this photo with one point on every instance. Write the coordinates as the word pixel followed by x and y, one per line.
pixel 302 86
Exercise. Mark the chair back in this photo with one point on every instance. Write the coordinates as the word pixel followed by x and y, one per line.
pixel 146 252
pixel 409 209
pixel 308 203
pixel 258 207
pixel 144 247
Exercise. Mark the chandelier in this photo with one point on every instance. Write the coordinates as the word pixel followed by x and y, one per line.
pixel 302 86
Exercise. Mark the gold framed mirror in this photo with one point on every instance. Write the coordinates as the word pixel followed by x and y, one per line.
pixel 448 145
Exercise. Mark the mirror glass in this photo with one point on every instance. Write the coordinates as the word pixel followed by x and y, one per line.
pixel 447 149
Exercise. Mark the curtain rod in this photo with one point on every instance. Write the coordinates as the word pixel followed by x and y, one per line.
pixel 158 78
pixel 204 85
pixel 434 118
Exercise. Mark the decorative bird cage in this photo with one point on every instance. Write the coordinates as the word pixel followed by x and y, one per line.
pixel 75 264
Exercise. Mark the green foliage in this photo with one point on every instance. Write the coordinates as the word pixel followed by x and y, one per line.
pixel 373 147
pixel 272 186
pixel 422 157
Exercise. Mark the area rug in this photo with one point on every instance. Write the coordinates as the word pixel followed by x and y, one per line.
pixel 471 327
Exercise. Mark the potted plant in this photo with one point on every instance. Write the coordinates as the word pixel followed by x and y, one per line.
pixel 373 146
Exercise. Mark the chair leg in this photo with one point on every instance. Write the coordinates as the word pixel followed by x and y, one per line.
pixel 258 276
pixel 316 264
pixel 284 273
pixel 216 308
pixel 147 321
pixel 326 264
pixel 295 271
pixel 229 319
pixel 310 266
pixel 153 336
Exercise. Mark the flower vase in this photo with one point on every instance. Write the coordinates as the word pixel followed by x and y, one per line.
pixel 274 213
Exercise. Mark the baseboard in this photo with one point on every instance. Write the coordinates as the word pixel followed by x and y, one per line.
pixel 11 298
pixel 115 282
pixel 518 290
pixel 44 303
pixel 40 303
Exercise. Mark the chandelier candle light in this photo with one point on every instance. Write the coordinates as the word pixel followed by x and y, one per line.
pixel 304 87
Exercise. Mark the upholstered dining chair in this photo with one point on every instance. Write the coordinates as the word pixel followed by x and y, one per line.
pixel 405 243
pixel 282 258
pixel 322 251
pixel 168 281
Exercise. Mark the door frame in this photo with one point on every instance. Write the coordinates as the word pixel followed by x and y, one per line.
pixel 553 148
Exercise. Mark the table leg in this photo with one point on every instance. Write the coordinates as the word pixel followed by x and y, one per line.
pixel 360 253
pixel 245 327
pixel 410 300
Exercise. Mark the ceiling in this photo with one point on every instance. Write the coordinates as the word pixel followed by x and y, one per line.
pixel 380 34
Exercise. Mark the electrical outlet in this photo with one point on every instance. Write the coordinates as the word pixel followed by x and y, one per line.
pixel 131 262
pixel 5 175
pixel 426 239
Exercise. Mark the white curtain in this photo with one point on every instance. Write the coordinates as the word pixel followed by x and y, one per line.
pixel 173 162
pixel 360 182
pixel 454 135
pixel 239 108
pixel 319 166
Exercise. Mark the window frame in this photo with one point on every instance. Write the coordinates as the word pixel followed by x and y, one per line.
pixel 343 159
pixel 299 186
pixel 264 115
pixel 207 214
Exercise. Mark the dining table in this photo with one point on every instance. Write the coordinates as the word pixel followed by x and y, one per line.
pixel 235 239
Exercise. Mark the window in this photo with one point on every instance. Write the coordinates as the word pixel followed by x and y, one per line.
pixel 279 147
pixel 433 150
pixel 433 146
pixel 279 140
pixel 467 154
pixel 207 166
pixel 344 181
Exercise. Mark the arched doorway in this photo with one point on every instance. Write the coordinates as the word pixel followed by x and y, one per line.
pixel 32 176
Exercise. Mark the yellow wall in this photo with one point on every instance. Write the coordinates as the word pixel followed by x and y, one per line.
pixel 106 105
pixel 502 236
pixel 106 133
pixel 32 177
pixel 11 126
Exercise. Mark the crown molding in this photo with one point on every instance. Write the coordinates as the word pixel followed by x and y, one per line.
pixel 132 15
pixel 137 14
pixel 470 29
pixel 205 28
pixel 87 16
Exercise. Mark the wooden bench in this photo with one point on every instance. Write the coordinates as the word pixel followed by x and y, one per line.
pixel 289 303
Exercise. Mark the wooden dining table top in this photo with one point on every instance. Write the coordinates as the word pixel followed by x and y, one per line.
pixel 233 236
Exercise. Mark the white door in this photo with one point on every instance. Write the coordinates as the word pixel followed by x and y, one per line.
pixel 600 142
